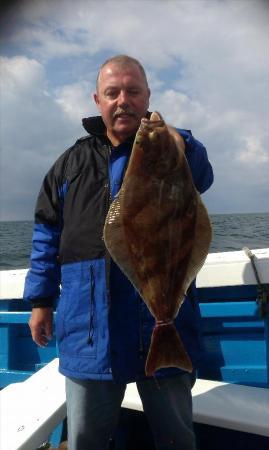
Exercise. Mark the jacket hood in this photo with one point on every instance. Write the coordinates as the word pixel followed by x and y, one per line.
pixel 94 125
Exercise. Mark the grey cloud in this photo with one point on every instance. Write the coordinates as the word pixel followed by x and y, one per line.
pixel 34 132
pixel 213 50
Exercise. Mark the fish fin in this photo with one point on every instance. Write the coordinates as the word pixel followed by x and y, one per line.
pixel 115 242
pixel 166 350
pixel 202 241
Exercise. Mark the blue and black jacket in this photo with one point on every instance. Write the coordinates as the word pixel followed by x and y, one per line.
pixel 103 327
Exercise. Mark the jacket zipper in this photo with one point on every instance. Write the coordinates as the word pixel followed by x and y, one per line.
pixel 108 203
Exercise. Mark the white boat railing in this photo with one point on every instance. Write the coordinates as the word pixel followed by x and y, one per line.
pixel 220 269
pixel 30 410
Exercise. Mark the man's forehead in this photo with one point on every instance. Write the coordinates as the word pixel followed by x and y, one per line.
pixel 114 69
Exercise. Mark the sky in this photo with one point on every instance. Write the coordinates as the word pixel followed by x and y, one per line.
pixel 208 69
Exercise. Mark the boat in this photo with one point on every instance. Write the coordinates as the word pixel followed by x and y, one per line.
pixel 230 397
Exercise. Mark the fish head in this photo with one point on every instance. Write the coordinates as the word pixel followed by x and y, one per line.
pixel 158 145
pixel 150 130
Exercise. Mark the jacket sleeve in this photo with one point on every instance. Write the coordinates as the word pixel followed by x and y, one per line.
pixel 43 278
pixel 197 158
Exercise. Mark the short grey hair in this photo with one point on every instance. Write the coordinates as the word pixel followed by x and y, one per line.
pixel 123 61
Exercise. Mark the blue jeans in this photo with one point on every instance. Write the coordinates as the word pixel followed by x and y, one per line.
pixel 93 409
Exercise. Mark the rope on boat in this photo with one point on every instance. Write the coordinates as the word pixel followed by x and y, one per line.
pixel 262 289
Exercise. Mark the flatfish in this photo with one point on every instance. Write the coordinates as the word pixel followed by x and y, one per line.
pixel 158 232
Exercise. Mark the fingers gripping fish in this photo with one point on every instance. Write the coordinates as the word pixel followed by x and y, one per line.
pixel 158 232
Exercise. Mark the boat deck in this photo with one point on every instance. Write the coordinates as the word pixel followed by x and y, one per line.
pixel 230 394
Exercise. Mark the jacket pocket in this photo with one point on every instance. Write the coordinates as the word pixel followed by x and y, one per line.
pixel 76 320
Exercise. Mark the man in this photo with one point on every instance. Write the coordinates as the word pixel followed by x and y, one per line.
pixel 103 327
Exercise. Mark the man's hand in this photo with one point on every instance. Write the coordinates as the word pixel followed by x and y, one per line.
pixel 40 324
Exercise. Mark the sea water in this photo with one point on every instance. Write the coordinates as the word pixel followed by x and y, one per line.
pixel 230 232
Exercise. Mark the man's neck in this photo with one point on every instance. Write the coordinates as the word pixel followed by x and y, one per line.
pixel 117 139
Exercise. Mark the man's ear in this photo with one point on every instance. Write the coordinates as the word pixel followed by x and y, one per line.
pixel 96 99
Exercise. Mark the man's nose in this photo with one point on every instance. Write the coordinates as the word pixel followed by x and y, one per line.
pixel 123 98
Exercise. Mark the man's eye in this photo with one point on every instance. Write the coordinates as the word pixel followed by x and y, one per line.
pixel 111 94
pixel 133 91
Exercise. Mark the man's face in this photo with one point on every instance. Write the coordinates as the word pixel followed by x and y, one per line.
pixel 122 99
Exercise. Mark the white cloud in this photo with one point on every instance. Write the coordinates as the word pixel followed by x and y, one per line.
pixel 254 152
pixel 34 132
pixel 179 109
pixel 206 66
pixel 76 100
pixel 21 73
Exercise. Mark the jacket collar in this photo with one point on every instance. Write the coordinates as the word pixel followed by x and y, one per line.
pixel 94 125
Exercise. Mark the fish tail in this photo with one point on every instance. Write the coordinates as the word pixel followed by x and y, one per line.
pixel 166 349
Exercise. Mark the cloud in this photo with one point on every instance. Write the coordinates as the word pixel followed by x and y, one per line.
pixel 206 67
pixel 179 109
pixel 34 132
pixel 75 100
pixel 254 152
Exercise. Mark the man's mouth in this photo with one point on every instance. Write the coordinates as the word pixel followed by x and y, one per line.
pixel 123 115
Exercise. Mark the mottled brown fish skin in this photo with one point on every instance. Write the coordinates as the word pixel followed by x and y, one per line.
pixel 159 214
pixel 152 232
